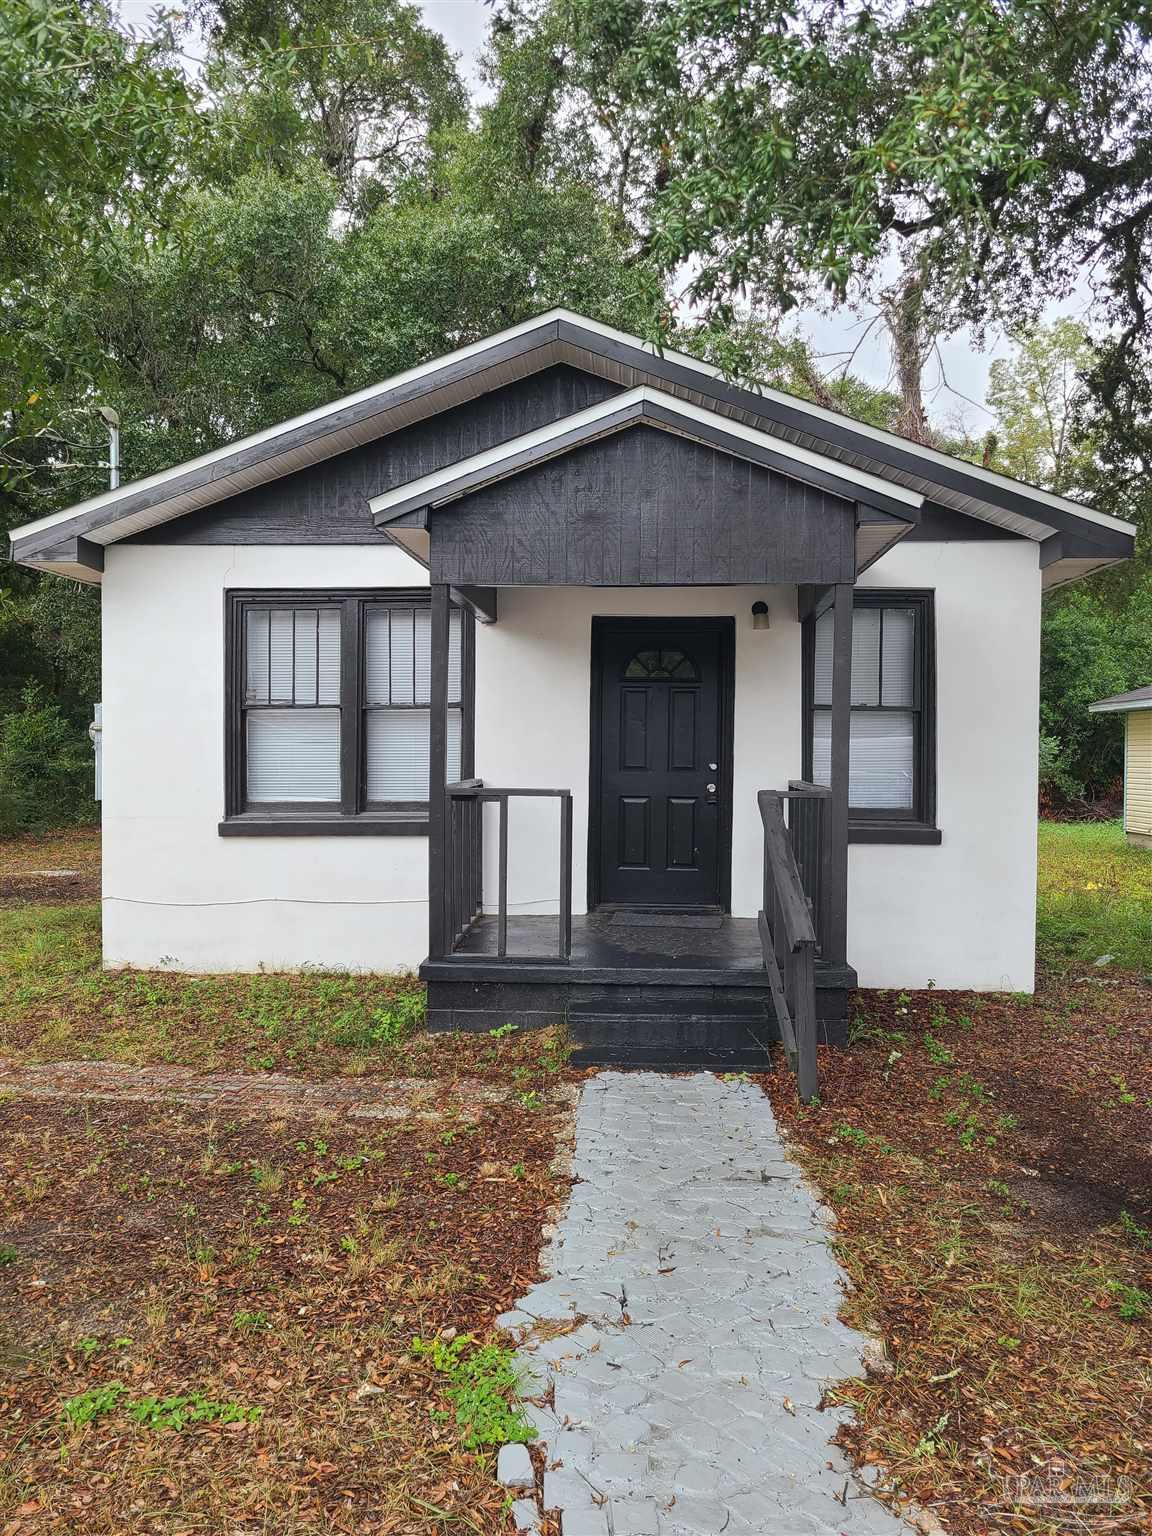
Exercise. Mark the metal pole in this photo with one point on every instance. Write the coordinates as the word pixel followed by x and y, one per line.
pixel 111 419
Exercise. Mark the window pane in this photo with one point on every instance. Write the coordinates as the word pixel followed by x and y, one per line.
pixel 899 657
pixel 881 772
pixel 293 754
pixel 866 656
pixel 396 750
pixel 398 655
pixel 292 656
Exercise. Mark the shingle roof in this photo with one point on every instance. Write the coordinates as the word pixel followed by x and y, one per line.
pixel 1139 698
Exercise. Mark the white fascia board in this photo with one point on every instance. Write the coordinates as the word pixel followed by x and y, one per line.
pixel 218 455
pixel 1119 709
pixel 864 429
pixel 437 487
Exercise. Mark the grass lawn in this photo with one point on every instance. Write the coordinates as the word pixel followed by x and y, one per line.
pixel 208 1301
pixel 989 1160
pixel 1095 895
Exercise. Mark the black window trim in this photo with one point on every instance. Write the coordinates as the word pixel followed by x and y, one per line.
pixel 917 826
pixel 356 816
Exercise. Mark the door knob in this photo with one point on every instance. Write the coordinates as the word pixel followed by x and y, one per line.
pixel 711 788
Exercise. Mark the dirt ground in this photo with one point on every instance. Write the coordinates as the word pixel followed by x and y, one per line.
pixel 989 1161
pixel 58 867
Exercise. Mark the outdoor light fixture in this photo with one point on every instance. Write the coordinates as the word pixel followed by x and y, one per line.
pixel 761 618
pixel 111 420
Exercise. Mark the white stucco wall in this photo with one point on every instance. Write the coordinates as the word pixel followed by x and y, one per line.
pixel 179 895
pixel 964 914
pixel 176 894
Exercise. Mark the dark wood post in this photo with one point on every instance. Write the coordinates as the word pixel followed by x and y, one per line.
pixel 836 867
pixel 439 939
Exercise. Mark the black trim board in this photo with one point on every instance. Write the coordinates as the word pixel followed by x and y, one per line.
pixel 366 824
pixel 356 816
pixel 871 826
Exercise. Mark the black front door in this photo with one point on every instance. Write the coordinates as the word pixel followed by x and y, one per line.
pixel 661 764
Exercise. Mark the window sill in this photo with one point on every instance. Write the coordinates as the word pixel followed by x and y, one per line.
pixel 906 832
pixel 378 824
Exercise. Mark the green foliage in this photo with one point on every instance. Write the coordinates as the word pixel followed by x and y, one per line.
pixel 1089 651
pixel 178 1412
pixel 481 1382
pixel 1134 1232
pixel 1036 396
pixel 86 1407
pixel 45 768
pixel 1095 896
pixel 389 1025
pixel 1132 1303
pixel 153 1412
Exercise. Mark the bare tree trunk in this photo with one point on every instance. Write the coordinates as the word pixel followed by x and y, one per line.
pixel 912 339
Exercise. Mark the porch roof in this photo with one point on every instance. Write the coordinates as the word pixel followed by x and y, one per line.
pixel 882 512
pixel 1074 538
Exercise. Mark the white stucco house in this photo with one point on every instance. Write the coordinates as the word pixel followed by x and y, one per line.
pixel 776 670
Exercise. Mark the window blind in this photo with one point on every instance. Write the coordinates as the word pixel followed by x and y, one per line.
pixel 292 656
pixel 398 656
pixel 292 671
pixel 397 692
pixel 293 754
pixel 881 762
pixel 397 752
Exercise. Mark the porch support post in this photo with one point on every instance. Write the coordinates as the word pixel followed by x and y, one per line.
pixel 841 724
pixel 438 935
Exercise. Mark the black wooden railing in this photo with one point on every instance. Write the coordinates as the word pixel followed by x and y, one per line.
pixel 805 810
pixel 787 925
pixel 464 865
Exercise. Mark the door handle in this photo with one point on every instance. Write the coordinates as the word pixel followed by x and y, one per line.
pixel 711 788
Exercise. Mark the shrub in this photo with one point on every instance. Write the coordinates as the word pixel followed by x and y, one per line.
pixel 45 768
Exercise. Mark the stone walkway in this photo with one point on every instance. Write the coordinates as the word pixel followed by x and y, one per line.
pixel 689 1328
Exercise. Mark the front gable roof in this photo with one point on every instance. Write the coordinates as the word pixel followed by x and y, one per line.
pixel 1075 538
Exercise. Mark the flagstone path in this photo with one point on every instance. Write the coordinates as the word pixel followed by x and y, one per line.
pixel 689 1330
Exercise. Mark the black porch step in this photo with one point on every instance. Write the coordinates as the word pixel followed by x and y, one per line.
pixel 673 1038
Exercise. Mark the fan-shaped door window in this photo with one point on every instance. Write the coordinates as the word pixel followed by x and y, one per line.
pixel 656 666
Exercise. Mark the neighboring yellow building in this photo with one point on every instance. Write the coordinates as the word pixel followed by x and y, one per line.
pixel 1137 710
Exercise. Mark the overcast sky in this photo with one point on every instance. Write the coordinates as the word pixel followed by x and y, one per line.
pixel 954 384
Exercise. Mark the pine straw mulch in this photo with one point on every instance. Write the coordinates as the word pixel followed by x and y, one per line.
pixel 989 1161
pixel 279 1264
pixel 61 866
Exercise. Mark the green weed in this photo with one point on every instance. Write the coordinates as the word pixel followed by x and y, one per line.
pixel 481 1381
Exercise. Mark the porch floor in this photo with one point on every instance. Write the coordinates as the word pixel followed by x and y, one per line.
pixel 631 941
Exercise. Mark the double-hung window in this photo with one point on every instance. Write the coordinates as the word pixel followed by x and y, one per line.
pixel 329 710
pixel 891 777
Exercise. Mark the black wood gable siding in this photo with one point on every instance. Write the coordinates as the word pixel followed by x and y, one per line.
pixel 644 508
pixel 327 503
